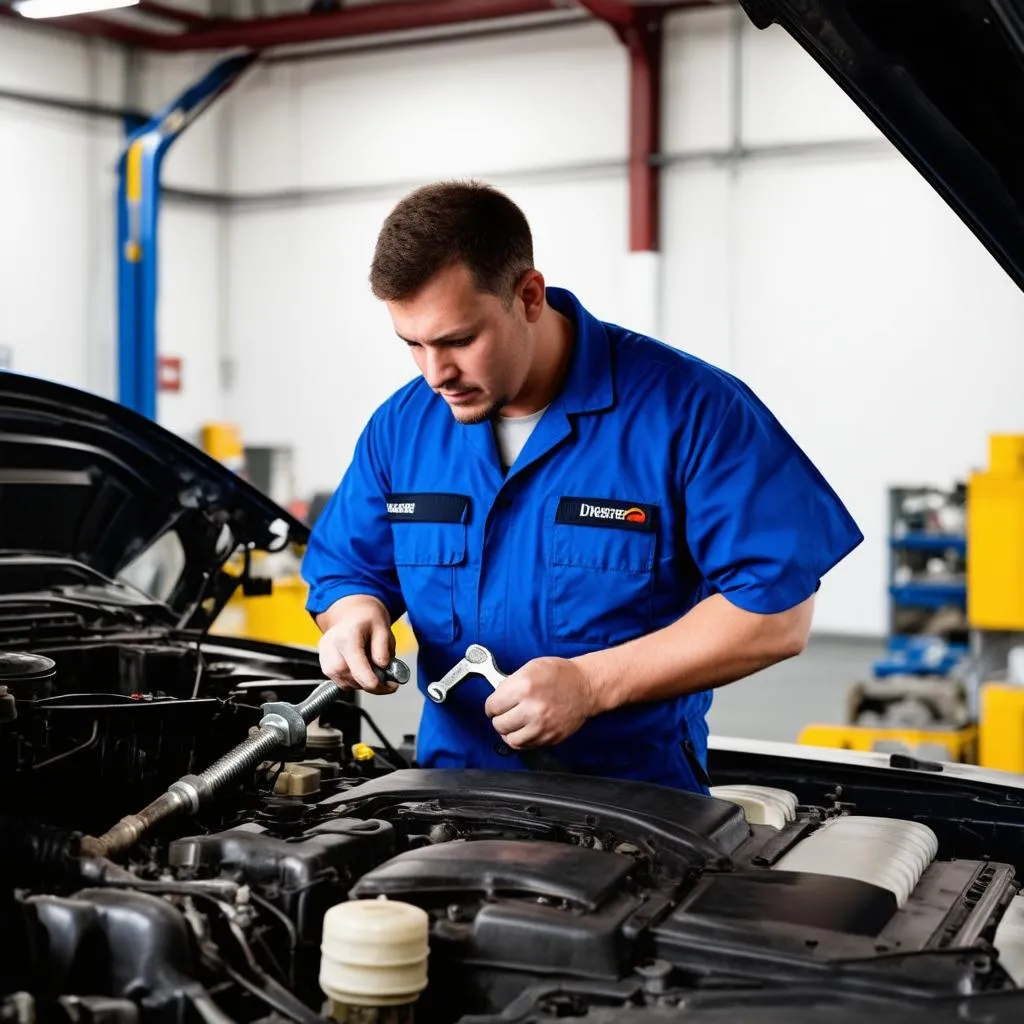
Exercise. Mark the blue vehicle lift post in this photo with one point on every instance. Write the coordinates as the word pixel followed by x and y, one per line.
pixel 138 207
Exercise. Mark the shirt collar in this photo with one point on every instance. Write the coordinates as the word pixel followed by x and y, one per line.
pixel 588 382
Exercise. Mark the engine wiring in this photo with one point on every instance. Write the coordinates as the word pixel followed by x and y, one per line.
pixel 200 660
pixel 268 776
pixel 275 995
pixel 80 749
pixel 393 754
pixel 271 992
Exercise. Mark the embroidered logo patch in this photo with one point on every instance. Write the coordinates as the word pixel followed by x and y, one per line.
pixel 607 512
pixel 427 507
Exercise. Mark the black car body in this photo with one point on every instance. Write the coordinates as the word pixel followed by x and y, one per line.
pixel 811 885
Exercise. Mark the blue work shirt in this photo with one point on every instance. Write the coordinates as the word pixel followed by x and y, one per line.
pixel 652 481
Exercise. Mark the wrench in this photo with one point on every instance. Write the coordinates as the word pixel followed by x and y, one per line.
pixel 478 661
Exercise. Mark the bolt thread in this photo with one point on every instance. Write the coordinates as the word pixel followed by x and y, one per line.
pixel 318 701
pixel 245 756
pixel 261 745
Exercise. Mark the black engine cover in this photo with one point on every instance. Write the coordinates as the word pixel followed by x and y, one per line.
pixel 303 877
pixel 686 831
pixel 493 868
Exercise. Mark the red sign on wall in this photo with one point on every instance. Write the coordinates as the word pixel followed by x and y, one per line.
pixel 168 373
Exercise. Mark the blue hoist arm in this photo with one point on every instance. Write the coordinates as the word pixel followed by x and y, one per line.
pixel 138 207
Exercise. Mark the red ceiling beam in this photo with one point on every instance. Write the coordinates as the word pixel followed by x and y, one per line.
pixel 190 19
pixel 364 20
pixel 206 33
pixel 639 26
pixel 89 25
pixel 291 29
pixel 616 13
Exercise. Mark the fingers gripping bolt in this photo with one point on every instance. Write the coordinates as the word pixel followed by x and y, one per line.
pixel 289 720
pixel 478 661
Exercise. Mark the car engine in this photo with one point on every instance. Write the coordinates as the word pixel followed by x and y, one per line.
pixel 342 882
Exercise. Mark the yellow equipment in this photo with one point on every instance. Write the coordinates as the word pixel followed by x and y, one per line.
pixel 995 538
pixel 279 617
pixel 223 441
pixel 1002 727
pixel 995 613
pixel 958 745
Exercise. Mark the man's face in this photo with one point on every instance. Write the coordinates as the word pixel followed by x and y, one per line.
pixel 471 350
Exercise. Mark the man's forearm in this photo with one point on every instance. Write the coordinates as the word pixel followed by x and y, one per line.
pixel 713 644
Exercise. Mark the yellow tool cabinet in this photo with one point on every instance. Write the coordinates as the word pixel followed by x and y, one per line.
pixel 995 538
pixel 995 613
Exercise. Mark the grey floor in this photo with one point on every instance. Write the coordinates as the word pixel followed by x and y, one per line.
pixel 777 703
pixel 771 705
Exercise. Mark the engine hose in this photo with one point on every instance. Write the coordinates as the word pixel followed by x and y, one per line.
pixel 283 725
pixel 30 853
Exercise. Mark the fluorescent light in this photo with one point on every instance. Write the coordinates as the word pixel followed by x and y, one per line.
pixel 62 8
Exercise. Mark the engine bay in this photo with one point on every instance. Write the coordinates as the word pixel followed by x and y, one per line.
pixel 538 896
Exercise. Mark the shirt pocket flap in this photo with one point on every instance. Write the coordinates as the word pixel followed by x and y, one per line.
pixel 607 548
pixel 429 543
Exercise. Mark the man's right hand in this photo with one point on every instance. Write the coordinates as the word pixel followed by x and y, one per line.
pixel 356 629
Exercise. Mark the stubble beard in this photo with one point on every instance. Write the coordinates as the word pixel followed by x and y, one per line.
pixel 489 413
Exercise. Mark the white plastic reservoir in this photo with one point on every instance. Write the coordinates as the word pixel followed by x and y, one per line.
pixel 374 952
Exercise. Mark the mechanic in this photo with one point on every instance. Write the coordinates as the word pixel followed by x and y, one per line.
pixel 623 525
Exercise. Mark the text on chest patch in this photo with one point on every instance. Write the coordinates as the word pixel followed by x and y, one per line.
pixel 607 512
pixel 427 507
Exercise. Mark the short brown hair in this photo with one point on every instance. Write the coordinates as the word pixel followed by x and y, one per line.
pixel 446 223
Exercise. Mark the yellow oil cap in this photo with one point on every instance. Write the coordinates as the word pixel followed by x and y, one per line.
pixel 362 752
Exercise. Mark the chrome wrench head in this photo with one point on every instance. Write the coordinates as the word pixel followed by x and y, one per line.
pixel 478 661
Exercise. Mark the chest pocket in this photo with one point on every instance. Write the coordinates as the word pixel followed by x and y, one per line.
pixel 428 554
pixel 601 578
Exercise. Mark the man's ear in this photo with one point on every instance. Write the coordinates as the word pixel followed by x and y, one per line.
pixel 530 291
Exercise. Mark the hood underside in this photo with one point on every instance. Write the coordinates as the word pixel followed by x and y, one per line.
pixel 944 82
pixel 86 479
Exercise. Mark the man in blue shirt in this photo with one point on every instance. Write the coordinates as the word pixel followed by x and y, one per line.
pixel 623 525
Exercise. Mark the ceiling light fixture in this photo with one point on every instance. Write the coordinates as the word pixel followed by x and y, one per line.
pixel 63 8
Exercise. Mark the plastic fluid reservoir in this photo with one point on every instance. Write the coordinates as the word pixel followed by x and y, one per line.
pixel 323 740
pixel 373 960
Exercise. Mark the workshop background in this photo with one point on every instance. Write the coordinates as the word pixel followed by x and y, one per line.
pixel 794 247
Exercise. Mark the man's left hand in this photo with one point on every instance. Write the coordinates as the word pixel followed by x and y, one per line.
pixel 543 703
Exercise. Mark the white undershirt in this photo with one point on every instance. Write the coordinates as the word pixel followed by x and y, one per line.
pixel 511 434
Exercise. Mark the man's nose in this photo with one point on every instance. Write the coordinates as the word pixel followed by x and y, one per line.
pixel 438 368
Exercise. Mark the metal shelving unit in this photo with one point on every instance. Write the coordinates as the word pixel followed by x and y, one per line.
pixel 928 633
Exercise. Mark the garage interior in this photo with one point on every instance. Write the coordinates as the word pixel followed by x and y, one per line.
pixel 198 826
pixel 685 174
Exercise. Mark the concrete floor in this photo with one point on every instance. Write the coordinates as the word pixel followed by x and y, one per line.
pixel 772 705
pixel 777 703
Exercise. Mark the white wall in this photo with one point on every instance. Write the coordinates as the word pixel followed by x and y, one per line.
pixel 315 352
pixel 831 278
pixel 57 185
pixel 844 291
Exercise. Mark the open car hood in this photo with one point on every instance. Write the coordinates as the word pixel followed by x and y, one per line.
pixel 88 480
pixel 944 82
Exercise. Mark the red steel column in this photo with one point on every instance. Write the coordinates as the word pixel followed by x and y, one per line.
pixel 643 40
